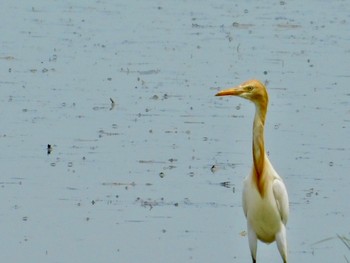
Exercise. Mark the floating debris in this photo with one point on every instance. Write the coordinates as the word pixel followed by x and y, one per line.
pixel 243 233
pixel 288 25
pixel 322 241
pixel 226 184
pixel 112 104
pixel 151 203
pixel 161 175
pixel 344 240
pixel 214 168
pixel 119 184
pixel 8 58
pixel 191 174
pixel 102 133
pixel 148 203
pixel 151 161
pixel 49 149
pixel 148 72
pixel 242 26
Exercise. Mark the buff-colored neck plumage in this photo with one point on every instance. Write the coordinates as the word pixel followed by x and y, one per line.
pixel 259 146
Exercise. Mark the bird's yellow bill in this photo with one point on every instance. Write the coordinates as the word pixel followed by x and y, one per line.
pixel 230 92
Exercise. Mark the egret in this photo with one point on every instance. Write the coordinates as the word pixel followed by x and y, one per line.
pixel 264 197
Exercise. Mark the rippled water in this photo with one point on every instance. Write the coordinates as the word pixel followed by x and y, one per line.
pixel 133 180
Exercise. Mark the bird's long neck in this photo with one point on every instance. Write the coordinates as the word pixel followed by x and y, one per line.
pixel 259 148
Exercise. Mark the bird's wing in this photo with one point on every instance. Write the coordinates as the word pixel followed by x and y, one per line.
pixel 281 197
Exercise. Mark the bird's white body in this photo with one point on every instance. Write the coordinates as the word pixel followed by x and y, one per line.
pixel 268 215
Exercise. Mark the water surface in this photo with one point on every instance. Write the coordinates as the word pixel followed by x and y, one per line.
pixel 132 182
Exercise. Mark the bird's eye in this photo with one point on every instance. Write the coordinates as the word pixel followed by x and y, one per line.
pixel 249 88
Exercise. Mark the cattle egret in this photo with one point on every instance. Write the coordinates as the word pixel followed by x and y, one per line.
pixel 265 198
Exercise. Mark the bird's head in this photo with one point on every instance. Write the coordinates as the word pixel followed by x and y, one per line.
pixel 252 90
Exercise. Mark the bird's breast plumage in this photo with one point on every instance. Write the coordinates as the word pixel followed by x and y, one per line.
pixel 262 212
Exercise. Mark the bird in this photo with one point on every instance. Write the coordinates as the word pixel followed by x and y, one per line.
pixel 264 197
